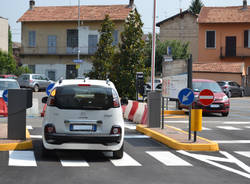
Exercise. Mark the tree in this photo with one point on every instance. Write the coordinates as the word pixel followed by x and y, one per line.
pixel 131 57
pixel 196 6
pixel 10 51
pixel 105 51
pixel 7 63
pixel 180 50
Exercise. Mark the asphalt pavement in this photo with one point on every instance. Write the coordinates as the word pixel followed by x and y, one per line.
pixel 146 160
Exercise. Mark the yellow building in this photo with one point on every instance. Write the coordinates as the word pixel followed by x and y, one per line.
pixel 51 37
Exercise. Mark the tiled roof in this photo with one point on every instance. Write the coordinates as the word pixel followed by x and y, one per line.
pixel 176 15
pixel 218 67
pixel 70 13
pixel 234 14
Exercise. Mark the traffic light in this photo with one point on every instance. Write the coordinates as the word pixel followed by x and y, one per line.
pixel 139 85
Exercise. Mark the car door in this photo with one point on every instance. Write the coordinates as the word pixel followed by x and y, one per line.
pixel 237 88
pixel 44 81
pixel 233 88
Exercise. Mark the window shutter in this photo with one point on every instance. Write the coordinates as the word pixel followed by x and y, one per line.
pixel 246 38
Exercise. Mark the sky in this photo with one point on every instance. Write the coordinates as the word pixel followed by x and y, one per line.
pixel 14 9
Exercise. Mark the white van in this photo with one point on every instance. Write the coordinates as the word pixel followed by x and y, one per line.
pixel 84 115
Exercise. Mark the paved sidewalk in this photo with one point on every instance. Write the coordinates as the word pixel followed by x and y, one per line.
pixel 178 139
pixel 6 144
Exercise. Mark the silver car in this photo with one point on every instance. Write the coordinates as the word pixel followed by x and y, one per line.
pixel 34 81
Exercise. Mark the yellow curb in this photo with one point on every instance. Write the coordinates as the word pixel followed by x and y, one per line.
pixel 179 112
pixel 169 117
pixel 24 145
pixel 172 143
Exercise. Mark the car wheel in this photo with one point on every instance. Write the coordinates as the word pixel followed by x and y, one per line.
pixel 225 114
pixel 36 88
pixel 229 94
pixel 242 94
pixel 118 154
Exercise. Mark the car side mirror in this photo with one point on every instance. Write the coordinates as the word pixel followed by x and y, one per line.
pixel 44 99
pixel 124 101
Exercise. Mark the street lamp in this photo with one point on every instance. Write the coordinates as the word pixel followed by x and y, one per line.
pixel 153 49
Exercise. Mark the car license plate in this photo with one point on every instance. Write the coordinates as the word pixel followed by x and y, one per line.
pixel 214 106
pixel 82 127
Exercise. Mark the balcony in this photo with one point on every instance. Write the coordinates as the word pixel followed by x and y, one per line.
pixel 54 51
pixel 238 52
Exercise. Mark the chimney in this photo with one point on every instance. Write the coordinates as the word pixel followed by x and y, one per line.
pixel 32 4
pixel 244 4
pixel 131 4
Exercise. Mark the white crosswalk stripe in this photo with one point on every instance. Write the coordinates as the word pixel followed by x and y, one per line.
pixel 74 163
pixel 168 158
pixel 22 158
pixel 125 161
pixel 244 153
pixel 229 128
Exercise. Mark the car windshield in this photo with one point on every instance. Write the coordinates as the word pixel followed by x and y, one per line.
pixel 213 86
pixel 8 85
pixel 84 97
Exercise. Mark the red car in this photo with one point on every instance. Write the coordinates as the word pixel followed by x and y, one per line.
pixel 221 102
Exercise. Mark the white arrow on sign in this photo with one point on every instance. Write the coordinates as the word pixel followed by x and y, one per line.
pixel 185 97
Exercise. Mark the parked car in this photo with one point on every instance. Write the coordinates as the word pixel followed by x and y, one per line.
pixel 231 88
pixel 34 81
pixel 84 115
pixel 221 102
pixel 9 76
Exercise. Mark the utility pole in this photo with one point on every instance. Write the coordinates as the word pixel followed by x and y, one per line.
pixel 78 28
pixel 153 50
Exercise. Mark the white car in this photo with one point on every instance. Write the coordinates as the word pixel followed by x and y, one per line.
pixel 84 114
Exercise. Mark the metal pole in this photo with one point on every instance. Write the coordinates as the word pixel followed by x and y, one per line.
pixel 153 49
pixel 162 112
pixel 78 28
pixel 191 87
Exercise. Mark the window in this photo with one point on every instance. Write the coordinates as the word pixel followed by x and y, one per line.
pixel 32 38
pixel 210 39
pixel 51 44
pixel 72 38
pixel 84 97
pixel 247 38
pixel 32 68
pixel 52 75
pixel 115 37
pixel 92 44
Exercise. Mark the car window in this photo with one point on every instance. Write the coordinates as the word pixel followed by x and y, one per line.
pixel 83 97
pixel 221 83
pixel 231 84
pixel 199 86
pixel 8 85
pixel 236 84
pixel 24 77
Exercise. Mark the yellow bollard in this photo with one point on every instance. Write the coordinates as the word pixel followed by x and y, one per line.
pixel 196 120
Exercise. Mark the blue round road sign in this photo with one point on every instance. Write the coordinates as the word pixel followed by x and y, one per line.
pixel 5 95
pixel 49 88
pixel 186 96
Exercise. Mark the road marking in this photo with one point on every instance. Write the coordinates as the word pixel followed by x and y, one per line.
pixel 237 122
pixel 74 163
pixel 29 127
pixel 228 128
pixel 136 137
pixel 247 126
pixel 204 128
pixel 36 136
pixel 212 160
pixel 168 158
pixel 126 160
pixel 22 158
pixel 244 153
pixel 232 141
pixel 129 126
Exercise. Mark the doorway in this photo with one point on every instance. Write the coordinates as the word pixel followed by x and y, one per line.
pixel 71 72
pixel 231 46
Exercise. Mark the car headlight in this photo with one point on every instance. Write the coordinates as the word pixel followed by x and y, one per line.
pixel 225 98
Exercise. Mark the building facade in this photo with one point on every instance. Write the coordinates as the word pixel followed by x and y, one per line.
pixel 224 38
pixel 182 27
pixel 4 26
pixel 51 37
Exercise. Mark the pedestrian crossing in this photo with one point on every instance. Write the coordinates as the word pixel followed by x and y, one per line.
pixel 166 158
